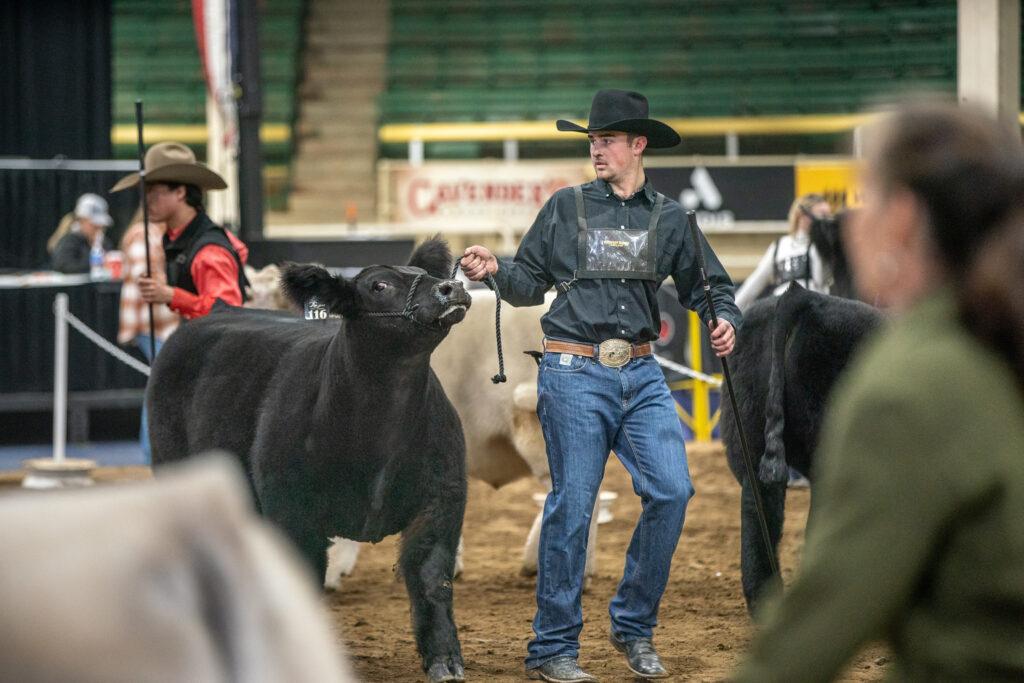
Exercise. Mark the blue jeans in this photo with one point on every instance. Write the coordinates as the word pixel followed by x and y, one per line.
pixel 142 341
pixel 587 410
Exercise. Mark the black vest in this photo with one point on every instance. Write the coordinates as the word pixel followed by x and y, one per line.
pixel 182 251
pixel 797 267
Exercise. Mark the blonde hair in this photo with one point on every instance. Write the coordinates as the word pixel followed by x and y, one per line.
pixel 801 204
pixel 63 228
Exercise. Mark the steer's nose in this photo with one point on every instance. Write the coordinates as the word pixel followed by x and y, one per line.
pixel 446 288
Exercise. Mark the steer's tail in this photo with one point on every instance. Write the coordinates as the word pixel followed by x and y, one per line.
pixel 773 464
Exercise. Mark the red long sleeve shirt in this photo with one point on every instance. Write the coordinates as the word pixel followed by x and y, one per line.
pixel 215 274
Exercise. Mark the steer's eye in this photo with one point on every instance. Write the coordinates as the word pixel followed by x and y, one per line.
pixel 380 286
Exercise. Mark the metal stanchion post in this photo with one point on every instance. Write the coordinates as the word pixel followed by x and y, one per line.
pixel 59 471
pixel 60 376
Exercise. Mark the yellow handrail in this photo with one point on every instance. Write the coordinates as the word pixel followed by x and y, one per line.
pixel 492 131
pixel 496 131
pixel 125 133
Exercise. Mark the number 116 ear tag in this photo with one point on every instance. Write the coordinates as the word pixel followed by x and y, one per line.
pixel 314 310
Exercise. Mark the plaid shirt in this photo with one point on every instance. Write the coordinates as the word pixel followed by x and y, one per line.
pixel 135 311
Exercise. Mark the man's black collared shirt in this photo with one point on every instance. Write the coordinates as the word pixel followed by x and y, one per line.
pixel 594 310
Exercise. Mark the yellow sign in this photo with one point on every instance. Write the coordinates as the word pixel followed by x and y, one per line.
pixel 837 180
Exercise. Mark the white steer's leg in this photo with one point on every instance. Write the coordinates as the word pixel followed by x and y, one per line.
pixel 341 560
pixel 591 566
pixel 530 550
pixel 458 560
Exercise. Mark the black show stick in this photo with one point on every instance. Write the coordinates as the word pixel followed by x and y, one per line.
pixel 145 222
pixel 691 218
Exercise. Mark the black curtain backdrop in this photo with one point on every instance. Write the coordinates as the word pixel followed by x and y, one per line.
pixel 55 101
pixel 33 201
pixel 55 78
pixel 27 338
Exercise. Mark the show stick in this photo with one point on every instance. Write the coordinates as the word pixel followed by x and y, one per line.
pixel 691 218
pixel 145 222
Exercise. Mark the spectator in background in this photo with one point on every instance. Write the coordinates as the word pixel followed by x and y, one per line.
pixel 134 327
pixel 74 237
pixel 791 257
pixel 204 261
pixel 917 529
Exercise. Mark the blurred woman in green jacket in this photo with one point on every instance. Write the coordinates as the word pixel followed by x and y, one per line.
pixel 917 525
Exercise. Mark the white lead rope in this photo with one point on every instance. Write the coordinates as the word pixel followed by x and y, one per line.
pixel 99 341
pixel 688 372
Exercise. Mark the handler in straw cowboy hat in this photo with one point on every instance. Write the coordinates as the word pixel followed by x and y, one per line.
pixel 204 261
pixel 606 246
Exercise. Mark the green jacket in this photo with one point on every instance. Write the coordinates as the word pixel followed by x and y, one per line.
pixel 917 526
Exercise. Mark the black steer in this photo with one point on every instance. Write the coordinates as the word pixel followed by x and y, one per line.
pixel 789 352
pixel 342 426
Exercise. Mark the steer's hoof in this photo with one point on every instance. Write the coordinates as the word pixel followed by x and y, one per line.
pixel 440 672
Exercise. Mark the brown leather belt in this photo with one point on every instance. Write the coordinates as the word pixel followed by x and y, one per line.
pixel 612 353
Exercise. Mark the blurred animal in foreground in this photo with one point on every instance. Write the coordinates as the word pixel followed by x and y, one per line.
pixel 173 580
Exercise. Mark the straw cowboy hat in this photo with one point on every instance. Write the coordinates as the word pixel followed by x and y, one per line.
pixel 625 111
pixel 173 162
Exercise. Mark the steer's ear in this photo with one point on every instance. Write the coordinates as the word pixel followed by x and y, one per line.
pixel 433 256
pixel 301 282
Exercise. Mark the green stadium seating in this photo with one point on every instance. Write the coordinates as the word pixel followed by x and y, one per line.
pixel 155 58
pixel 480 60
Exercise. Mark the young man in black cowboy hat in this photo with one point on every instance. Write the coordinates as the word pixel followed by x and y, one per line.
pixel 607 246
pixel 204 261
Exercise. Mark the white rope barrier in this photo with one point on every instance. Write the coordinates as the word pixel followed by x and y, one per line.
pixel 62 318
pixel 688 372
pixel 99 341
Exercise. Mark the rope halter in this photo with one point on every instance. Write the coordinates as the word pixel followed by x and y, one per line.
pixel 409 309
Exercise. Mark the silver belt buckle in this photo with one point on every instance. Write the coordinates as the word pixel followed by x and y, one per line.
pixel 614 353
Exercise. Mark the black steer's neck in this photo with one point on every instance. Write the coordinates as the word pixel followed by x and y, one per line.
pixel 387 370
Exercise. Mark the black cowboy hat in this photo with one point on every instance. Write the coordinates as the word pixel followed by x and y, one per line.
pixel 625 111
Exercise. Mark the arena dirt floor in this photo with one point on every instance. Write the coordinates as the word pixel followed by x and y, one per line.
pixel 704 627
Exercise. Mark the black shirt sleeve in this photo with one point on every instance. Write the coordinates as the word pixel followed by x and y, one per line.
pixel 525 278
pixel 686 275
pixel 71 255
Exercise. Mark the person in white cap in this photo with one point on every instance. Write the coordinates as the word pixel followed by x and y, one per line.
pixel 90 220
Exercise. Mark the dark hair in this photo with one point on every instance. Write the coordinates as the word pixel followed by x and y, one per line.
pixel 968 172
pixel 193 195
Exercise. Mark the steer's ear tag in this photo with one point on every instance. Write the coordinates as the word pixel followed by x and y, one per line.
pixel 314 310
pixel 565 359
